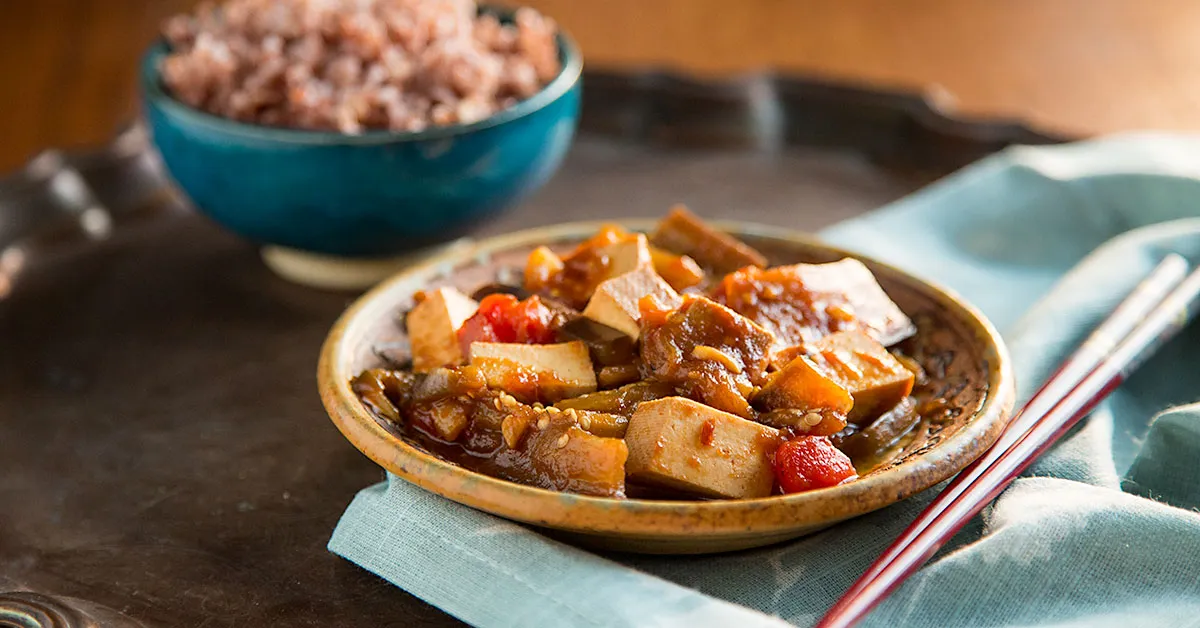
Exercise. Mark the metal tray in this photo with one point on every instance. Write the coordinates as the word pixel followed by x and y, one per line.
pixel 164 458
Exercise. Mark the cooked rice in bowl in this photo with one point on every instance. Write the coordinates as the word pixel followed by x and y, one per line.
pixel 356 65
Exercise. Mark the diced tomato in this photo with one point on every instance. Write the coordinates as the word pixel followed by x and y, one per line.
pixel 808 462
pixel 502 318
pixel 478 328
pixel 532 322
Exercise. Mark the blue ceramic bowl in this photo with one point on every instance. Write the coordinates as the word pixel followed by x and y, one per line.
pixel 375 194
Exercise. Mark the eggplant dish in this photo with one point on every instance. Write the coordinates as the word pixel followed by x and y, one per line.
pixel 677 364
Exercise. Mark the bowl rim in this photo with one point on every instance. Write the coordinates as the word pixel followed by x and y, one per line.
pixel 643 518
pixel 155 94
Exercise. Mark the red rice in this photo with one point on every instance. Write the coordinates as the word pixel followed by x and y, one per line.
pixel 354 65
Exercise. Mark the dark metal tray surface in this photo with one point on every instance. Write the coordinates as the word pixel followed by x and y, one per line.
pixel 164 457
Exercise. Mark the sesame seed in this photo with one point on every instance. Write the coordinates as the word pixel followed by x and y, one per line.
pixel 812 419
pixel 562 441
pixel 543 423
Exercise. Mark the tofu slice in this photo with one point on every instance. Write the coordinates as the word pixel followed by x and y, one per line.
pixel 684 233
pixel 615 302
pixel 878 315
pixel 803 302
pixel 628 255
pixel 543 373
pixel 875 379
pixel 685 445
pixel 433 328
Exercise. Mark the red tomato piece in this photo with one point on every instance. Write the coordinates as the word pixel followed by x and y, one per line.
pixel 532 322
pixel 484 325
pixel 475 329
pixel 502 318
pixel 808 462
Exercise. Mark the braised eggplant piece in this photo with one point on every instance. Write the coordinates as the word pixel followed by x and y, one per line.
pixel 447 383
pixel 877 437
pixel 683 233
pixel 623 400
pixel 600 423
pixel 617 375
pixel 500 288
pixel 687 368
pixel 607 346
pixel 708 352
pixel 384 391
pixel 495 434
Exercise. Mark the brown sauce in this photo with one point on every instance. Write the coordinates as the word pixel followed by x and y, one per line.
pixel 781 303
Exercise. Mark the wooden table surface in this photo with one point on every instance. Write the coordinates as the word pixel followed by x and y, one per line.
pixel 1073 67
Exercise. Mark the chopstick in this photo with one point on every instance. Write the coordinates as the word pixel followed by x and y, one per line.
pixel 1154 312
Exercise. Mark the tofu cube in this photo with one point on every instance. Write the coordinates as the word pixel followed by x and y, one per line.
pixel 542 373
pixel 627 255
pixel 615 302
pixel 803 302
pixel 433 328
pixel 681 444
pixel 875 379
pixel 878 316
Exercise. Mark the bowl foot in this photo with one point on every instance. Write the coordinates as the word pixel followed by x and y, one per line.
pixel 332 272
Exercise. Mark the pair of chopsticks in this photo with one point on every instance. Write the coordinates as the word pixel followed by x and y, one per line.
pixel 1160 306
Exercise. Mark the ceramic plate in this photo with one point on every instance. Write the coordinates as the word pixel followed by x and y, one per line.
pixel 957 346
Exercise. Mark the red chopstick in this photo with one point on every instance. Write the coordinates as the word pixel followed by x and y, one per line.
pixel 1152 314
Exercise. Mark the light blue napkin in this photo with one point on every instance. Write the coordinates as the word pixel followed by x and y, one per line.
pixel 1103 531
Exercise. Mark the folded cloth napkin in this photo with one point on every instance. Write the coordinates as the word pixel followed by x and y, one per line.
pixel 1102 531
